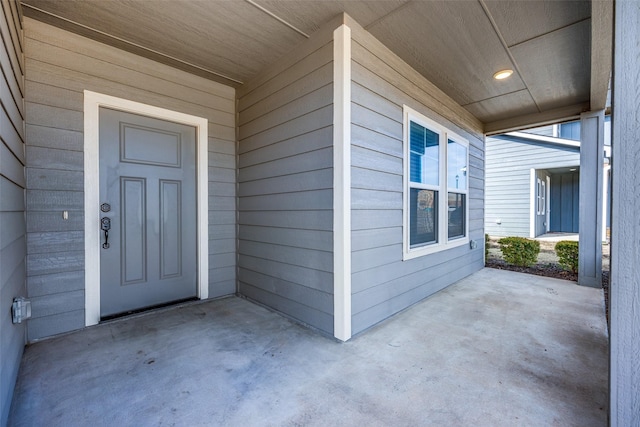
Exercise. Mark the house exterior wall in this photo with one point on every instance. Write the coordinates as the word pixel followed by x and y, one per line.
pixel 59 67
pixel 12 192
pixel 285 184
pixel 549 130
pixel 382 283
pixel 624 312
pixel 508 181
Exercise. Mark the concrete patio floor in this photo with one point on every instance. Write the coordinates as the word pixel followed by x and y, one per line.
pixel 496 349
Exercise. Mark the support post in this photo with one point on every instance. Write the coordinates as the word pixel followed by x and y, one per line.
pixel 624 368
pixel 342 183
pixel 590 210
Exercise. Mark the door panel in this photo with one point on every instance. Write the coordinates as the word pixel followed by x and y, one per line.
pixel 170 229
pixel 133 217
pixel 148 177
pixel 565 202
pixel 136 140
pixel 541 202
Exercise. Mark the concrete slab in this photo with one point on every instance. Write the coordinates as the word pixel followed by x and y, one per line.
pixel 556 237
pixel 498 348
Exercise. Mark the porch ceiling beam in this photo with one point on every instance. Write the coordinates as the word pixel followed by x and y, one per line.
pixel 601 52
pixel 561 114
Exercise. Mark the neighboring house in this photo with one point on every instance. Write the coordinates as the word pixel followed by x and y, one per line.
pixel 329 170
pixel 532 181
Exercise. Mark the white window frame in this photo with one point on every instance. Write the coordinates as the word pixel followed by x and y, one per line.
pixel 443 243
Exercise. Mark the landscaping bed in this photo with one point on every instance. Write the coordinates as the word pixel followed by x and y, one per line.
pixel 547 265
pixel 548 270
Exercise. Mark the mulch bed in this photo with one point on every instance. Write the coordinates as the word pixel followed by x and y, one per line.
pixel 548 270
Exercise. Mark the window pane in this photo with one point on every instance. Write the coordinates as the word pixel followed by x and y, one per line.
pixel 457 215
pixel 456 165
pixel 570 130
pixel 417 138
pixel 423 217
pixel 538 196
pixel 424 163
pixel 416 167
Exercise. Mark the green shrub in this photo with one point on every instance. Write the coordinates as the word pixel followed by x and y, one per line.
pixel 519 251
pixel 486 247
pixel 567 252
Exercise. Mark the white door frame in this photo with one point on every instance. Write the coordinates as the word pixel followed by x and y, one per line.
pixel 92 102
pixel 548 204
pixel 533 203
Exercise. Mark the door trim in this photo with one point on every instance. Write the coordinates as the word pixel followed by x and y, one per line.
pixel 92 102
pixel 548 204
pixel 533 205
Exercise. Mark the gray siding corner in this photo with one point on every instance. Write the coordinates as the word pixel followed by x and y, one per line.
pixel 13 239
pixel 59 67
pixel 285 185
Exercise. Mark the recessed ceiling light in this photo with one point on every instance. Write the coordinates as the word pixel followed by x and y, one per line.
pixel 502 74
pixel 572 170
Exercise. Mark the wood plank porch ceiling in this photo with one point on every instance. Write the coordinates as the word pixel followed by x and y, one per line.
pixel 457 45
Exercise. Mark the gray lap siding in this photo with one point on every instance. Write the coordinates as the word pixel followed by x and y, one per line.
pixel 13 236
pixel 382 283
pixel 285 185
pixel 271 193
pixel 59 67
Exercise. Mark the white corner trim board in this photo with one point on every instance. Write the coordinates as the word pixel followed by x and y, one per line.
pixel 92 103
pixel 342 183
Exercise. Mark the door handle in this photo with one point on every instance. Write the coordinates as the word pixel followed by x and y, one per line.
pixel 105 226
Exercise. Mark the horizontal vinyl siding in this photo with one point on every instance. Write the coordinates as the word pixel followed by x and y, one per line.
pixel 543 130
pixel 285 181
pixel 382 283
pixel 12 195
pixel 59 67
pixel 508 180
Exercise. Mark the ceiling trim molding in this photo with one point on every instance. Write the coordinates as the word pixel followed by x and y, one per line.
pixel 126 45
pixel 277 18
pixel 526 121
pixel 321 37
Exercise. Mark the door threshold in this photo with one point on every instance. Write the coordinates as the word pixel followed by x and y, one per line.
pixel 146 309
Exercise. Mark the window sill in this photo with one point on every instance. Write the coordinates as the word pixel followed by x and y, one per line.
pixel 432 249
